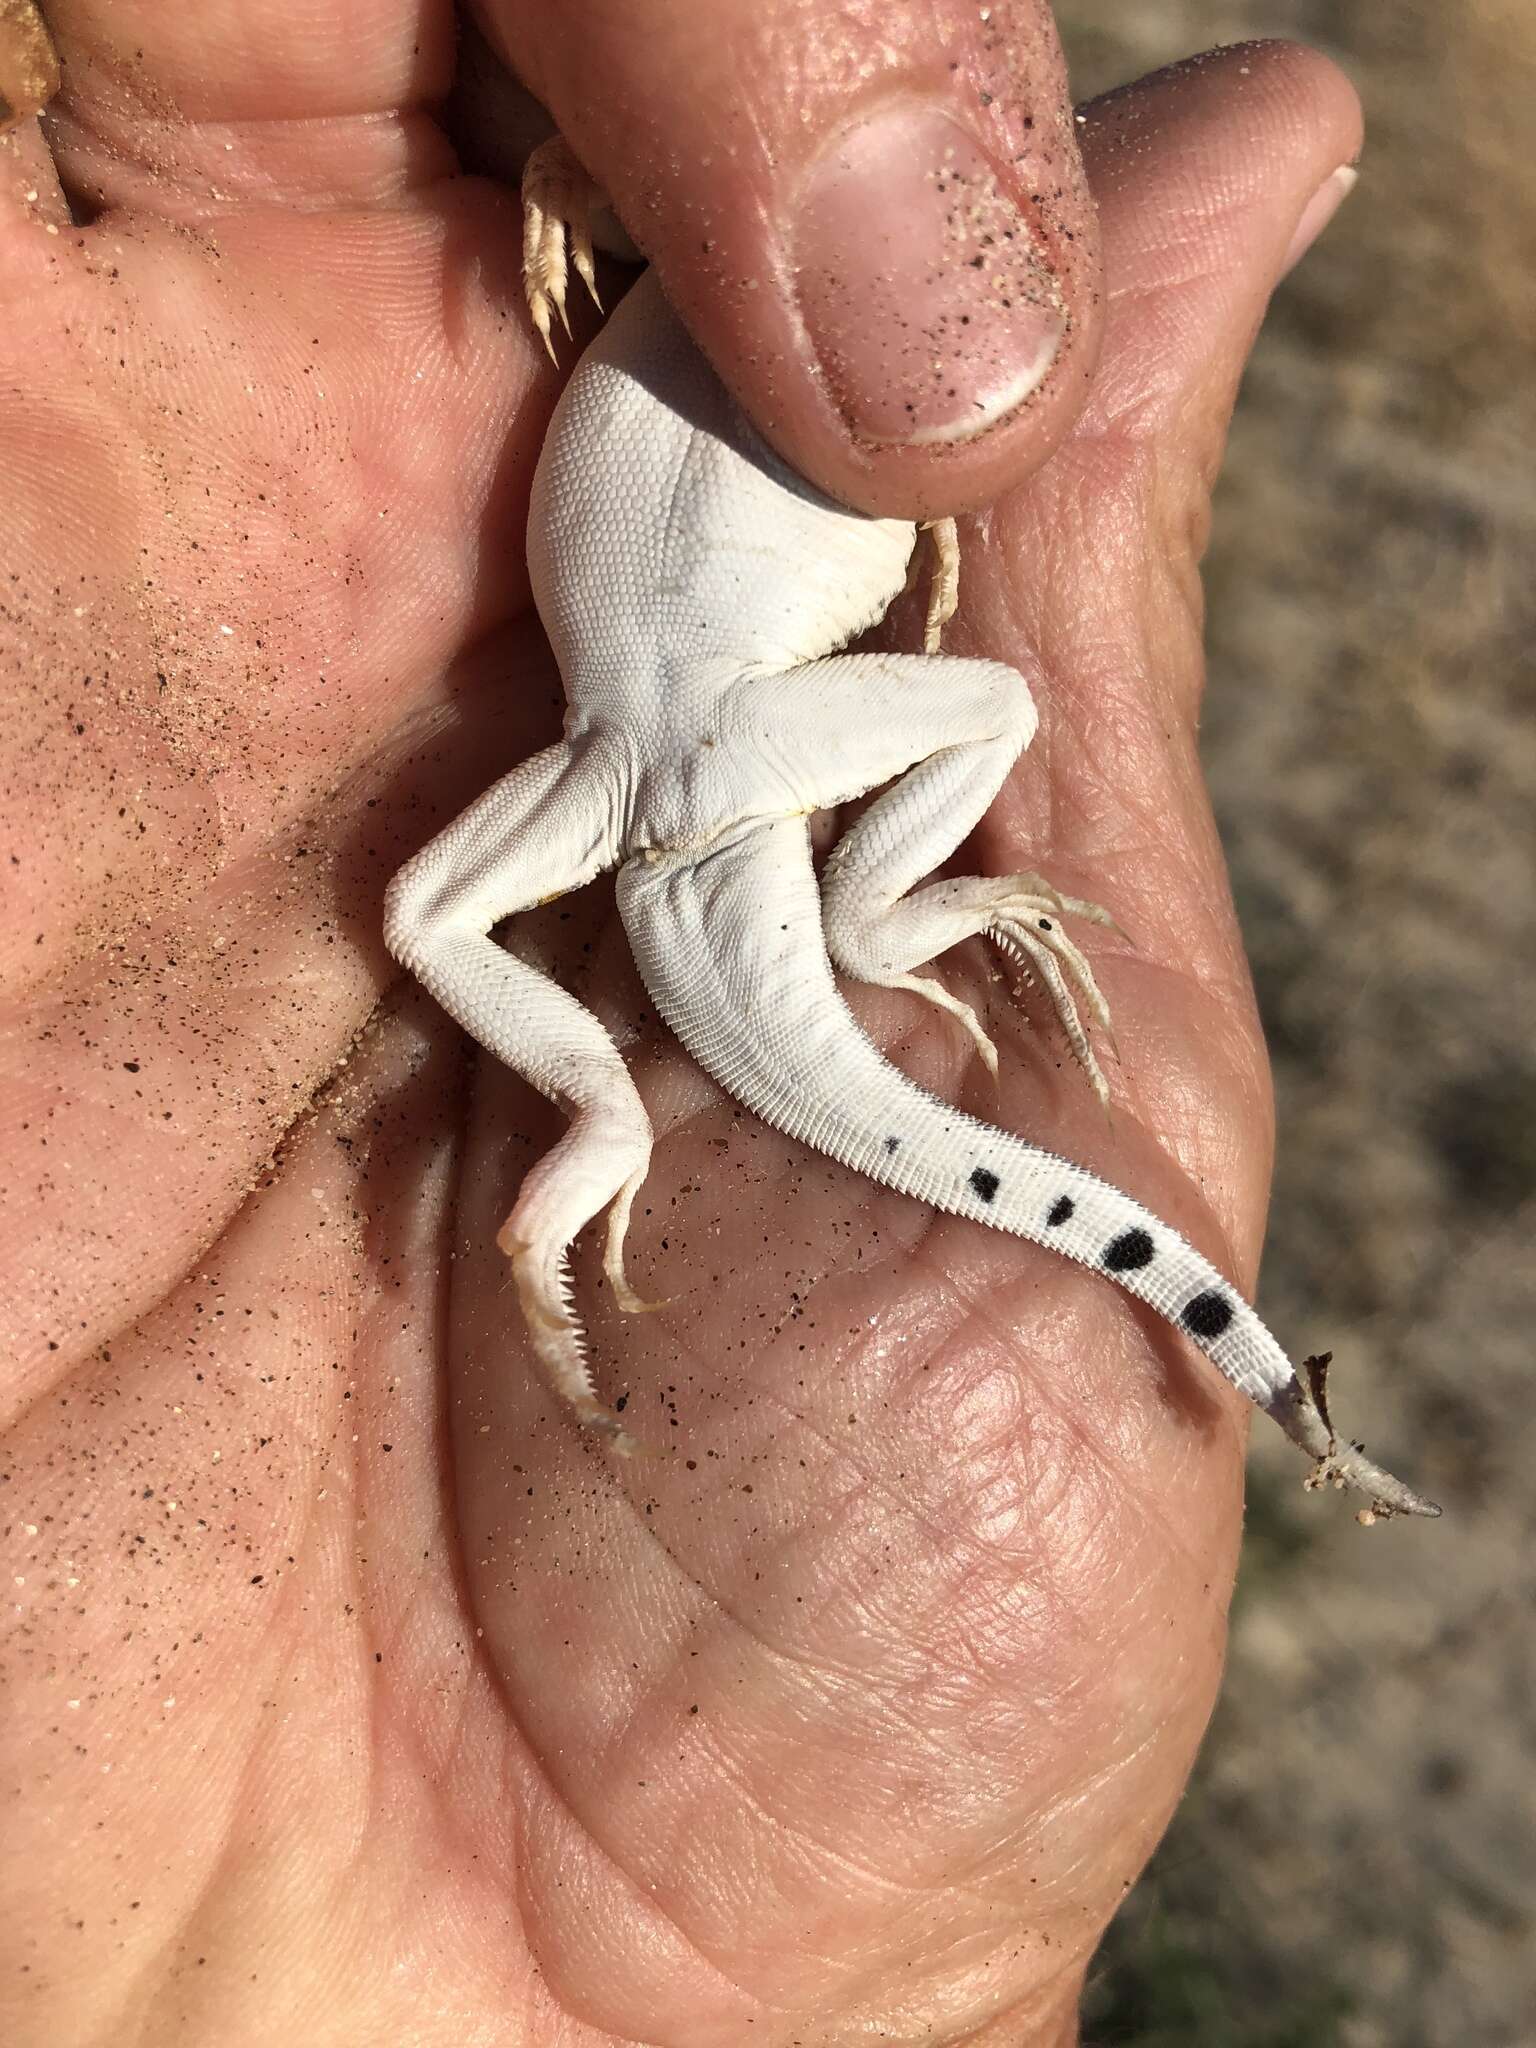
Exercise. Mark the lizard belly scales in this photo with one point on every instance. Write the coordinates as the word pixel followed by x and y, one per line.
pixel 696 592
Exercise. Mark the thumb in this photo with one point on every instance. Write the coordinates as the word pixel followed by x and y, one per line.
pixel 874 220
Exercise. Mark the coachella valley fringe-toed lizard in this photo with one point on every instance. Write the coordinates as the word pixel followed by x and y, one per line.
pixel 696 593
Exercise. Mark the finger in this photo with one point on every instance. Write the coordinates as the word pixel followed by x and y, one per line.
pixel 1200 224
pixel 187 108
pixel 874 221
pixel 1203 174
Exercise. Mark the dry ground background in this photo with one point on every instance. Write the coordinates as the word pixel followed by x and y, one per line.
pixel 1355 1866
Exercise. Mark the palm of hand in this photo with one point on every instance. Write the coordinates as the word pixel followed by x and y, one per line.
pixel 868 1699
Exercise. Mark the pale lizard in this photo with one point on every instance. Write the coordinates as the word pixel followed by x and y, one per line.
pixel 695 592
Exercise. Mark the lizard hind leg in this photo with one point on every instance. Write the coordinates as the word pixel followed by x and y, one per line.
pixel 545 829
pixel 966 723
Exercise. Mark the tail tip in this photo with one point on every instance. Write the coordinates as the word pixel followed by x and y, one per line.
pixel 1304 1417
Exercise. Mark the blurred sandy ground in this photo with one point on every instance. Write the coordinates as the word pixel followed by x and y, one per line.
pixel 1355 1866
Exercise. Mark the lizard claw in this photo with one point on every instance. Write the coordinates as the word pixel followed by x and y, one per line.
pixel 609 1424
pixel 944 586
pixel 936 993
pixel 1039 944
pixel 558 198
pixel 635 1304
pixel 613 1254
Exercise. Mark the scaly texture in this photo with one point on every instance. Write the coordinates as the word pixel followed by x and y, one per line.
pixel 695 592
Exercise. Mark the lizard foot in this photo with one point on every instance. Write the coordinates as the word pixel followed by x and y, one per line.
pixel 542 1279
pixel 944 586
pixel 1022 916
pixel 558 198
pixel 1030 932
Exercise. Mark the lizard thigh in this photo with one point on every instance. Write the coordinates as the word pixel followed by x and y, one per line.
pixel 956 727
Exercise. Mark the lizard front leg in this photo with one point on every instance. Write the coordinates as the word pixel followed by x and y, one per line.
pixel 943 581
pixel 545 829
pixel 558 203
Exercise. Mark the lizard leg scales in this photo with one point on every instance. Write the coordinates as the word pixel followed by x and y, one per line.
pixel 975 718
pixel 545 829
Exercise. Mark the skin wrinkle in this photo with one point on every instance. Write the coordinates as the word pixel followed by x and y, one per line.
pixel 198 179
pixel 227 1843
pixel 984 1556
pixel 894 1680
pixel 941 1543
pixel 912 1890
pixel 1115 1767
pixel 644 1895
pixel 1087 1440
pixel 217 1875
pixel 779 1654
pixel 825 1853
pixel 543 1769
pixel 241 1798
pixel 97 1342
pixel 316 1446
pixel 479 1671
pixel 1028 1835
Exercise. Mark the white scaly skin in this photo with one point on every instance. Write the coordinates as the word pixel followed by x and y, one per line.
pixel 695 592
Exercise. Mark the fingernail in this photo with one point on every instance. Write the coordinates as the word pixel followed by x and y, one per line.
pixel 930 300
pixel 1318 211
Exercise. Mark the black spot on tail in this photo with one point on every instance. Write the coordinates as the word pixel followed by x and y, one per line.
pixel 1061 1209
pixel 891 1144
pixel 1127 1252
pixel 986 1184
pixel 1207 1315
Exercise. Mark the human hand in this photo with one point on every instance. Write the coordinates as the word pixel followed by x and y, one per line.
pixel 350 1692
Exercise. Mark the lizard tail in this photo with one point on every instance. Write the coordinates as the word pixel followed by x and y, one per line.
pixel 763 1016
